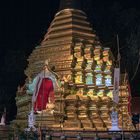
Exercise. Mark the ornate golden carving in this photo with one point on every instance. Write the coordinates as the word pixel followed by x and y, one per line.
pixel 76 53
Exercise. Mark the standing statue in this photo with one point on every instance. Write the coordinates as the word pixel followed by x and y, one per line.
pixel 3 118
pixel 44 87
pixel 31 122
pixel 114 120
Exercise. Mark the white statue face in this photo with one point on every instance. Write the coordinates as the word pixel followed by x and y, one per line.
pixel 45 67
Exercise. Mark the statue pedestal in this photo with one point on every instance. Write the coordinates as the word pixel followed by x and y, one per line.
pixel 115 128
pixel 2 124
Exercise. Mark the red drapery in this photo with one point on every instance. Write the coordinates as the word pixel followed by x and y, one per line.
pixel 45 92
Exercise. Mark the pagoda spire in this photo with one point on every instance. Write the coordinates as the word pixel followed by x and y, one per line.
pixel 72 4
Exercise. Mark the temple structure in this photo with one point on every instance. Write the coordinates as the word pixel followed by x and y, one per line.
pixel 85 69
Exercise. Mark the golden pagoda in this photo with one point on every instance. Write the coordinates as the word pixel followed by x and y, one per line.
pixel 85 99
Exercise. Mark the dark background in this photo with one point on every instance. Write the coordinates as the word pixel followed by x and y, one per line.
pixel 24 23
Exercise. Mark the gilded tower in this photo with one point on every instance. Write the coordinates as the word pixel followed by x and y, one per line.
pixel 78 58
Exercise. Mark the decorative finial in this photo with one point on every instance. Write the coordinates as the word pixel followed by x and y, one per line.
pixel 72 4
pixel 46 62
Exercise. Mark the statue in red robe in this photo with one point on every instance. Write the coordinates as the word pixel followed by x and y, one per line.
pixel 46 83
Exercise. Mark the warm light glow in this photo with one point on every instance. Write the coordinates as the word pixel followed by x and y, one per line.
pixel 109 94
pixel 90 92
pixel 100 93
pixel 78 78
pixel 89 64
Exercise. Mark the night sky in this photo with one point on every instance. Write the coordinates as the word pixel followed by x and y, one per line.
pixel 24 23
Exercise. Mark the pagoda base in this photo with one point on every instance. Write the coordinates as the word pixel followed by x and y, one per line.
pixel 72 124
pixel 4 132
